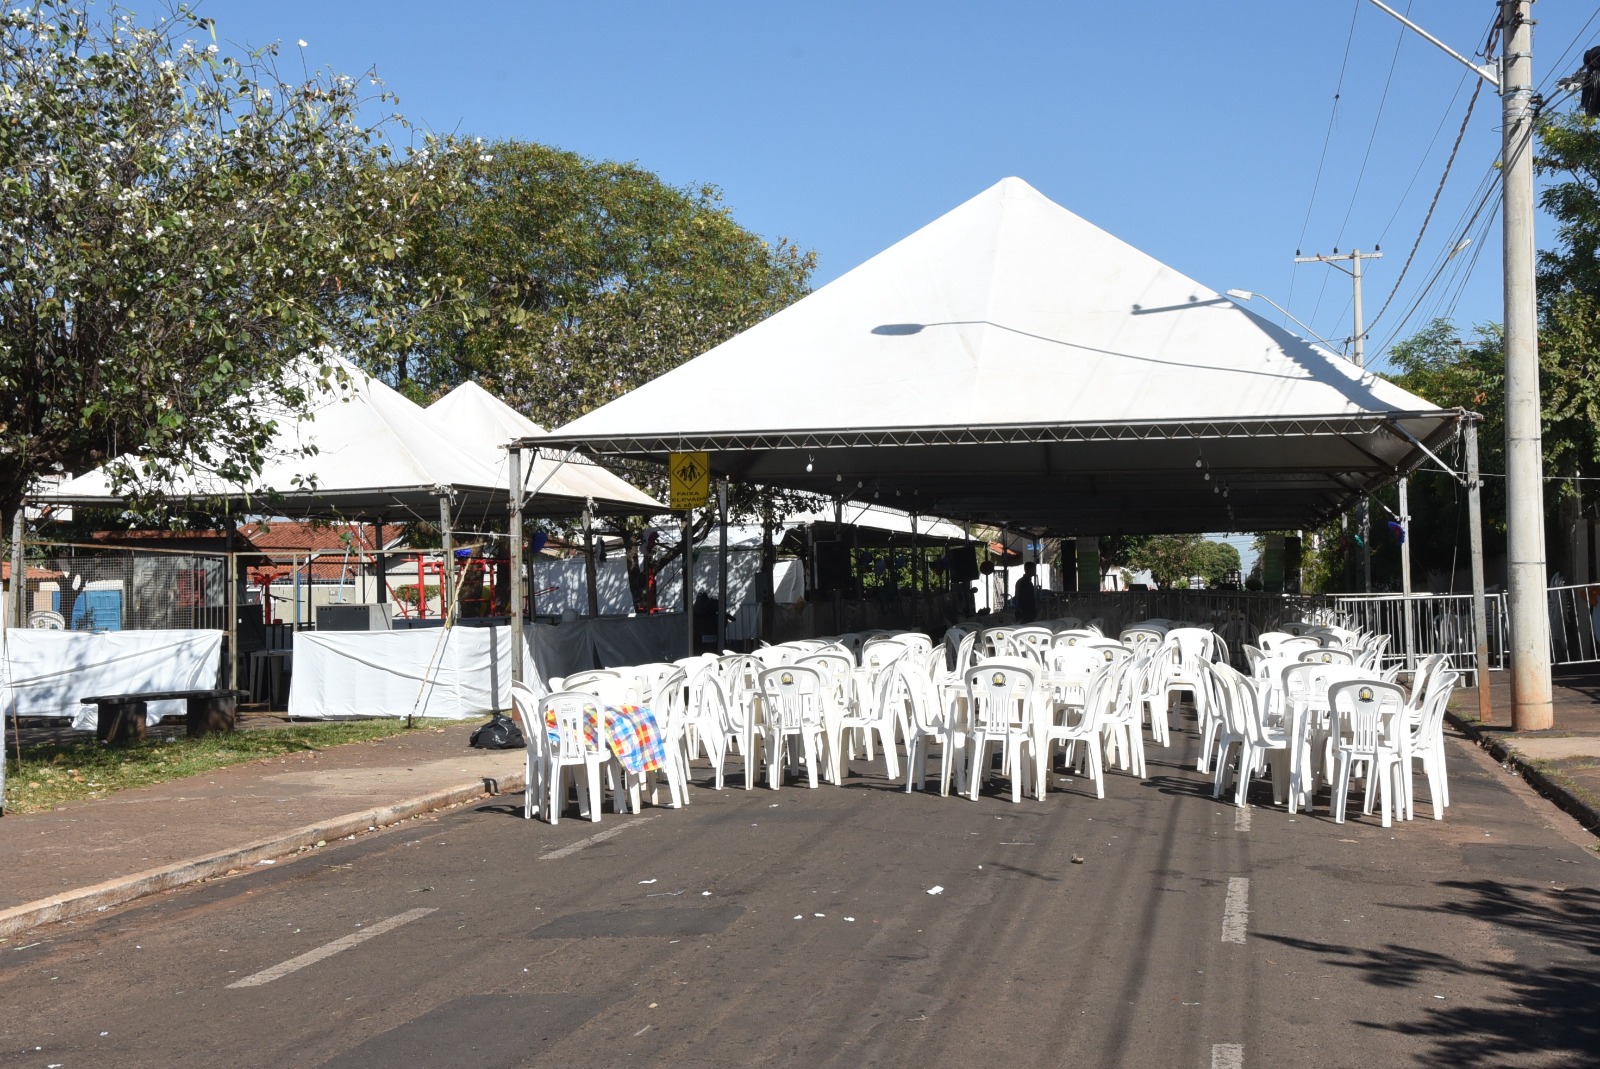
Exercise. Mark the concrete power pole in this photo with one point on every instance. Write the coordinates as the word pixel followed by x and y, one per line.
pixel 1531 708
pixel 1358 356
pixel 1526 581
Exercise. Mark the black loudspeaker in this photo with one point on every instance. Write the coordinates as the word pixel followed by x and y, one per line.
pixel 833 565
pixel 963 564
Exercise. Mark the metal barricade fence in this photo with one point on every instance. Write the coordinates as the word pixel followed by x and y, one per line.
pixel 1574 615
pixel 1424 624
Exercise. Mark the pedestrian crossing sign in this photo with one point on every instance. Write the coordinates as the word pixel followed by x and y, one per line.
pixel 690 480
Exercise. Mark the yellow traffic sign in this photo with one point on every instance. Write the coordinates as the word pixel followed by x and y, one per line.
pixel 690 480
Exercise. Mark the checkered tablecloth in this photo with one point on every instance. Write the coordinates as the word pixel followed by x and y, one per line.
pixel 631 732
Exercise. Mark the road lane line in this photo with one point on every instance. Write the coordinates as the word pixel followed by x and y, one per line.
pixel 1241 819
pixel 1235 910
pixel 311 957
pixel 1227 1056
pixel 598 837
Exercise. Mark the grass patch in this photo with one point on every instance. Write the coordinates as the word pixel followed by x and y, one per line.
pixel 49 774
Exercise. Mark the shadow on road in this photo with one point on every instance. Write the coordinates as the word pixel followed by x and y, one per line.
pixel 1549 1008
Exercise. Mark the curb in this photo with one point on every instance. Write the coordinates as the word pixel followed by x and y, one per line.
pixel 1583 812
pixel 102 896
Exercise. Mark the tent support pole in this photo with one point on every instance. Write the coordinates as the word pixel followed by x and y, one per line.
pixel 1480 614
pixel 838 591
pixel 380 562
pixel 514 455
pixel 722 566
pixel 590 578
pixel 1405 575
pixel 17 607
pixel 446 571
pixel 233 609
pixel 767 600
pixel 688 580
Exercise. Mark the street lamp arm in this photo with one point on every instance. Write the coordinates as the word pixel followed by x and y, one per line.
pixel 1246 295
pixel 1488 72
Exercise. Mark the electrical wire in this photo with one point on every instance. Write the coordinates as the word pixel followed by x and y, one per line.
pixel 1558 69
pixel 1377 122
pixel 1327 137
pixel 1438 191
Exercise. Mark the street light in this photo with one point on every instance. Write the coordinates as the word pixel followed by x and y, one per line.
pixel 1247 295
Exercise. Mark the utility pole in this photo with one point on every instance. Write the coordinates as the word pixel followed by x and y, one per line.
pixel 1526 581
pixel 1358 356
pixel 1531 707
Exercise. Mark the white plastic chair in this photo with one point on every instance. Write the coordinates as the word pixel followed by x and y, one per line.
pixel 1368 726
pixel 1328 655
pixel 1002 707
pixel 795 698
pixel 569 751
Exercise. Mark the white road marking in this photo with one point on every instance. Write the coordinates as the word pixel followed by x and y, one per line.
pixel 1241 819
pixel 1235 910
pixel 1227 1056
pixel 597 837
pixel 311 957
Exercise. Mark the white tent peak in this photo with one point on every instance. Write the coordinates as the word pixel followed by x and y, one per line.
pixel 485 425
pixel 1008 309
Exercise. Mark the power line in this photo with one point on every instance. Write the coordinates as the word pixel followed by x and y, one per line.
pixel 1327 137
pixel 1448 164
pixel 1377 121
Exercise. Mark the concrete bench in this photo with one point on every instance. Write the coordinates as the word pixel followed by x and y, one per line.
pixel 121 717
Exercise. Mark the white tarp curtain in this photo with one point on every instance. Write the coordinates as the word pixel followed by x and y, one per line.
pixel 47 673
pixel 460 672
pixel 481 423
pixel 451 673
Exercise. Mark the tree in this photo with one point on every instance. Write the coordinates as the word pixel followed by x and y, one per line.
pixel 179 228
pixel 1168 558
pixel 1215 561
pixel 582 280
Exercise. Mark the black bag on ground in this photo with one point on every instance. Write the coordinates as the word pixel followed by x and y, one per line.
pixel 501 733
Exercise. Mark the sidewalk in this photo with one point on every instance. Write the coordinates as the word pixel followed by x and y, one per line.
pixel 87 856
pixel 1563 763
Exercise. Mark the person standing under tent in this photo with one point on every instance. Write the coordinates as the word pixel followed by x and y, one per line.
pixel 1027 597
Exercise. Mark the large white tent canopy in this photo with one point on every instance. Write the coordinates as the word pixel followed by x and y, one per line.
pixel 1012 363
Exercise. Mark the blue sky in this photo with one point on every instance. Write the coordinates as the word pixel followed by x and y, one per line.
pixel 1206 134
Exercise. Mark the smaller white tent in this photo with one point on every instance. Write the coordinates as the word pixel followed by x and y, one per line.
pixel 481 423
pixel 361 450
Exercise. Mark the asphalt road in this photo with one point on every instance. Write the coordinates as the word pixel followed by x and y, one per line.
pixel 801 928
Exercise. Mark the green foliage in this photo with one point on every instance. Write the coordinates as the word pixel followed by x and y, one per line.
pixel 178 226
pixel 581 280
pixel 1213 561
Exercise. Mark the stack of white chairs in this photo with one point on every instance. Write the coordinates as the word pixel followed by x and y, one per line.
pixel 1072 723
pixel 1426 717
pixel 741 687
